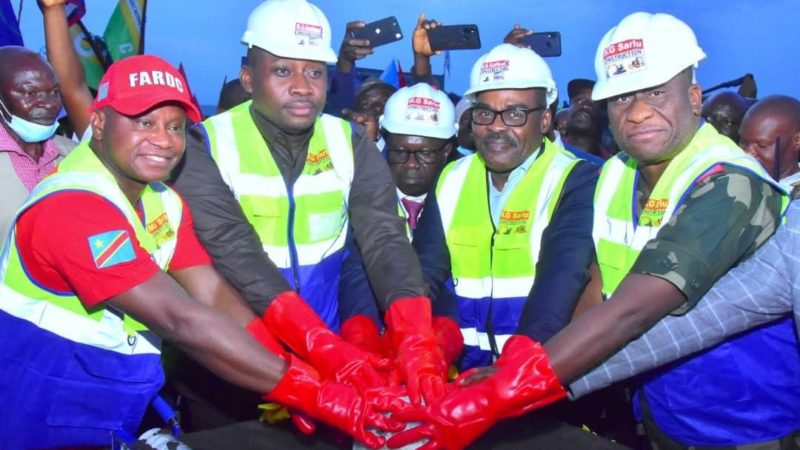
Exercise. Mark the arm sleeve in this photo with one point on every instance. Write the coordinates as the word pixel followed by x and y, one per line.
pixel 562 270
pixel 94 254
pixel 379 230
pixel 342 90
pixel 430 245
pixel 759 290
pixel 724 218
pixel 220 224
pixel 355 294
pixel 189 252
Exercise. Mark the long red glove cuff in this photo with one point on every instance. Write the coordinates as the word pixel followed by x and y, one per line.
pixel 448 338
pixel 362 332
pixel 298 388
pixel 409 326
pixel 258 330
pixel 524 380
pixel 291 319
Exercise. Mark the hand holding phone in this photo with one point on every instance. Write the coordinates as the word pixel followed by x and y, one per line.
pixel 380 32
pixel 454 37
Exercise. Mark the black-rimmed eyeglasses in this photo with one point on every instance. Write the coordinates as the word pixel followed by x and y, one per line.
pixel 401 155
pixel 513 117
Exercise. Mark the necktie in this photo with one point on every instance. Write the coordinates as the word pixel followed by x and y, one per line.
pixel 413 209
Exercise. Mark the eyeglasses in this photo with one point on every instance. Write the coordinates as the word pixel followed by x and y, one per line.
pixel 401 155
pixel 514 117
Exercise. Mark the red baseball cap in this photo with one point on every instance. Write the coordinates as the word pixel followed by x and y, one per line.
pixel 136 84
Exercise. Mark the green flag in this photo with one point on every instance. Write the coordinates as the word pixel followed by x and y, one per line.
pixel 123 32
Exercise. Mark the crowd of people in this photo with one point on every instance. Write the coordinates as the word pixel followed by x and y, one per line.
pixel 367 257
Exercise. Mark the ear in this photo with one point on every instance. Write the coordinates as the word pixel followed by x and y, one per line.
pixel 246 78
pixel 97 120
pixel 547 120
pixel 796 142
pixel 696 99
pixel 448 148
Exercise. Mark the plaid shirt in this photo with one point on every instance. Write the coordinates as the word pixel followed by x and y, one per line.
pixel 29 171
pixel 764 288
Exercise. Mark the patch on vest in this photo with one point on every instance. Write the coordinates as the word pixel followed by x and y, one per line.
pixel 160 229
pixel 318 162
pixel 624 57
pixel 513 222
pixel 653 213
pixel 111 248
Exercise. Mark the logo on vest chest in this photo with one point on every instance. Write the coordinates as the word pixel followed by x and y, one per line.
pixel 513 222
pixel 318 162
pixel 653 213
pixel 160 229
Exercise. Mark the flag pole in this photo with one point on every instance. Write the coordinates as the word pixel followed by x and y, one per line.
pixel 142 27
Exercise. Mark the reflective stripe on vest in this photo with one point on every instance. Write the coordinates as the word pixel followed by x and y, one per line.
pixel 493 270
pixel 618 240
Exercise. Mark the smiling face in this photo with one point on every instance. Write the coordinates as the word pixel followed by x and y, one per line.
pixel 653 125
pixel 504 147
pixel 290 93
pixel 141 149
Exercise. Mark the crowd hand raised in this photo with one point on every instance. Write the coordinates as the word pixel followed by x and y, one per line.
pixel 295 324
pixel 352 50
pixel 419 40
pixel 340 405
pixel 523 381
pixel 513 37
pixel 369 123
pixel 51 3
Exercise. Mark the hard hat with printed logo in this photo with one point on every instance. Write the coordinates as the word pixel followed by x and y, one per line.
pixel 290 29
pixel 644 50
pixel 510 67
pixel 420 110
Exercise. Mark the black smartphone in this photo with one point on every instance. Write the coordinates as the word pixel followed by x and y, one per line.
pixel 380 32
pixel 454 37
pixel 545 44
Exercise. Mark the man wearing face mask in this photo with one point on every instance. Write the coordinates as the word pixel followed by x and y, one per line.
pixel 29 106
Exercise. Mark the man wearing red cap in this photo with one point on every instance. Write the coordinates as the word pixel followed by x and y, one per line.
pixel 83 303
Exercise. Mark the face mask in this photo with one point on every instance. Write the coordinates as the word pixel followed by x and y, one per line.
pixel 29 131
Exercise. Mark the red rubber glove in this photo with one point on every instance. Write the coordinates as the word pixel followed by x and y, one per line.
pixel 409 327
pixel 258 330
pixel 362 332
pixel 524 381
pixel 448 338
pixel 299 327
pixel 339 405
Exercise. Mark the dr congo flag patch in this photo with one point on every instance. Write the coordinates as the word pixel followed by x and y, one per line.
pixel 111 248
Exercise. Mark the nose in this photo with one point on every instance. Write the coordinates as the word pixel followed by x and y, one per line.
pixel 639 110
pixel 299 84
pixel 497 124
pixel 412 162
pixel 160 136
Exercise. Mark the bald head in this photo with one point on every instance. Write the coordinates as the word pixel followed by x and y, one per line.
pixel 725 111
pixel 28 86
pixel 772 127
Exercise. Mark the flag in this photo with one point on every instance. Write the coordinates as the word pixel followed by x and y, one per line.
pixel 9 28
pixel 123 35
pixel 111 248
pixel 401 78
pixel 75 10
pixel 92 66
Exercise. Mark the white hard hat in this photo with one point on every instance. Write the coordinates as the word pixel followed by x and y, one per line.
pixel 290 29
pixel 420 110
pixel 510 67
pixel 642 51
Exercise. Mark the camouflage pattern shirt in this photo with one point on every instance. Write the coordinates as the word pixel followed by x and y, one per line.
pixel 726 216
